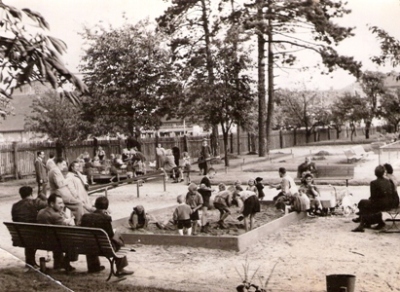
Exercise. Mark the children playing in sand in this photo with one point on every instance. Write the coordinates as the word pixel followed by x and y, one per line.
pixel 222 202
pixel 182 216
pixel 195 201
pixel 251 206
pixel 251 186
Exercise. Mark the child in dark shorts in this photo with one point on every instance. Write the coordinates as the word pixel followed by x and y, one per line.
pixel 260 188
pixel 182 216
pixel 251 206
pixel 222 201
pixel 195 201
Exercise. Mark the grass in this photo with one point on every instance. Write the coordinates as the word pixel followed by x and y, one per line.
pixel 17 279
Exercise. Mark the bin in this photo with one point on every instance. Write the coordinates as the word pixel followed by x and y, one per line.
pixel 337 283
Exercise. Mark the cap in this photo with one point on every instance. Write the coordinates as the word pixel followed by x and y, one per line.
pixel 259 178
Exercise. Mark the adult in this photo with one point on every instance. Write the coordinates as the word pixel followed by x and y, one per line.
pixel 59 186
pixel 41 174
pixel 53 214
pixel 50 162
pixel 78 185
pixel 389 174
pixel 205 192
pixel 160 152
pixel 312 192
pixel 100 218
pixel 26 210
pixel 287 188
pixel 205 156
pixel 382 197
pixel 306 167
pixel 169 167
pixel 177 154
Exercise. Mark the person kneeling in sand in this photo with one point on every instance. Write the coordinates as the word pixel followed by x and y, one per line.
pixel 182 216
pixel 222 202
pixel 251 206
pixel 139 218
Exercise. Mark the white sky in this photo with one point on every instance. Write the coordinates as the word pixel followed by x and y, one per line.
pixel 67 17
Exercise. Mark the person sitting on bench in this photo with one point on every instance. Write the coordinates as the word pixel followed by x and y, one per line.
pixel 383 198
pixel 306 167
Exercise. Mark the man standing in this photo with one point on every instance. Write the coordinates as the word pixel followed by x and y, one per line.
pixel 41 174
pixel 26 210
pixel 101 219
pixel 59 186
pixel 53 214
pixel 50 162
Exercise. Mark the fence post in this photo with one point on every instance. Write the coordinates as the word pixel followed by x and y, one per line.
pixel 15 158
pixel 280 139
pixel 294 137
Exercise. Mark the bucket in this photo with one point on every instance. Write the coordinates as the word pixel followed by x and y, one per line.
pixel 340 283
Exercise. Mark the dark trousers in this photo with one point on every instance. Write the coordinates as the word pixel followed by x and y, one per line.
pixel 42 189
pixel 93 263
pixel 30 256
pixel 62 260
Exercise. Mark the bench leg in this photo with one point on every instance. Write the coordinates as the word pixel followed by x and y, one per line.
pixel 112 272
pixel 393 218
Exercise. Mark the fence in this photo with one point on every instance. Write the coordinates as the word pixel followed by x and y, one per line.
pixel 17 159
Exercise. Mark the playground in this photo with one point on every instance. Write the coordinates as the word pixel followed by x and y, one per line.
pixel 295 258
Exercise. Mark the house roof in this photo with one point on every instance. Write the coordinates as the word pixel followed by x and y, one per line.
pixel 21 101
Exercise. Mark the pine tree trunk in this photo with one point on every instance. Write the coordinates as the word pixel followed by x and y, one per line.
pixel 261 86
pixel 270 110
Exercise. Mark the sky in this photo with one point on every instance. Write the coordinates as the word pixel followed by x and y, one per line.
pixel 67 18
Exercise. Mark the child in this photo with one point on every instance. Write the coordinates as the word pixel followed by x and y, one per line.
pixel 186 167
pixel 251 206
pixel 182 216
pixel 260 187
pixel 195 201
pixel 222 202
pixel 251 186
pixel 139 218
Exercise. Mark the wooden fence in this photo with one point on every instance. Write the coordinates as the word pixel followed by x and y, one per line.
pixel 17 159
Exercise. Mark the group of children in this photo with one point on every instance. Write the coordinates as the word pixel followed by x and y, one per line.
pixel 187 216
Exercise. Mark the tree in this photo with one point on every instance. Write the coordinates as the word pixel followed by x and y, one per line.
pixel 127 72
pixel 389 108
pixel 55 116
pixel 191 27
pixel 352 108
pixel 278 23
pixel 302 109
pixel 373 86
pixel 28 53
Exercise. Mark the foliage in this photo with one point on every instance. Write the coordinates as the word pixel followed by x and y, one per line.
pixel 390 48
pixel 302 109
pixel 389 108
pixel 127 72
pixel 28 53
pixel 58 118
pixel 279 24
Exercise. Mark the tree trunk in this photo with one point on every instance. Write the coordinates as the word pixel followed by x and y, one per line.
pixel 367 128
pixel 225 135
pixel 271 99
pixel 261 85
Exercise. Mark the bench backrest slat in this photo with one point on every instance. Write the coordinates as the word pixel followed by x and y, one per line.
pixel 82 240
pixel 335 171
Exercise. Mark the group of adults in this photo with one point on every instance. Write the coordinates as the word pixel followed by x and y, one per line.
pixel 68 191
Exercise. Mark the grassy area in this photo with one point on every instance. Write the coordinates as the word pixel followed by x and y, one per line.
pixel 16 279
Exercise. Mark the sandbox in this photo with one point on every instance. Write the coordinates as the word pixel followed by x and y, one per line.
pixel 238 242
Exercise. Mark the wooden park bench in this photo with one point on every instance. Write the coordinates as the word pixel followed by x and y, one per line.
pixel 393 213
pixel 80 240
pixel 356 153
pixel 334 172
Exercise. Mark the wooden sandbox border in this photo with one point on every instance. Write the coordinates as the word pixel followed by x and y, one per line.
pixel 234 243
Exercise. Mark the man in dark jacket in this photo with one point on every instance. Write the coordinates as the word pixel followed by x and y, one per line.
pixel 41 174
pixel 382 198
pixel 26 210
pixel 101 219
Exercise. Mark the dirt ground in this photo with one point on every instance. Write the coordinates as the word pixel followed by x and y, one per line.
pixel 296 258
